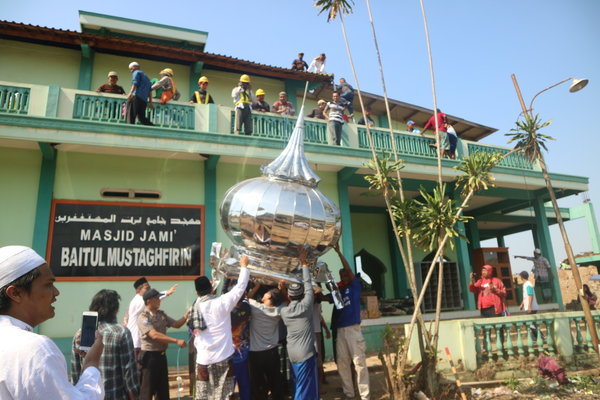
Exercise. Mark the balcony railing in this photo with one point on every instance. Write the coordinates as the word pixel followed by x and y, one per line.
pixel 14 99
pixel 405 143
pixel 277 127
pixel 38 100
pixel 113 109
pixel 514 160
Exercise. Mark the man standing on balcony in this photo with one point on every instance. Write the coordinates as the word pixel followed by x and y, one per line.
pixel 139 95
pixel 260 104
pixel 366 119
pixel 334 111
pixel 201 96
pixel 318 112
pixel 243 97
pixel 440 129
pixel 283 106
pixel 111 86
pixel 410 127
pixel 542 272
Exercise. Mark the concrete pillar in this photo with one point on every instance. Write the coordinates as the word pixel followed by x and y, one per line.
pixel 344 198
pixel 544 243
pixel 86 68
pixel 210 209
pixel 465 268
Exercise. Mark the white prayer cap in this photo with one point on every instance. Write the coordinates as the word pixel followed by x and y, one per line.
pixel 16 261
pixel 133 64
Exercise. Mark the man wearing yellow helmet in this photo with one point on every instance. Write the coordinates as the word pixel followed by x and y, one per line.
pixel 168 84
pixel 201 96
pixel 260 104
pixel 243 97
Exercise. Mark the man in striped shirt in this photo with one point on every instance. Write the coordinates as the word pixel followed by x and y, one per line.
pixel 333 113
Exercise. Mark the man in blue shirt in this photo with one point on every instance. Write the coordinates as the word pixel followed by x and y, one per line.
pixel 350 344
pixel 139 95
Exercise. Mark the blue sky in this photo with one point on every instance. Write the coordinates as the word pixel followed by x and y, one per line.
pixel 476 46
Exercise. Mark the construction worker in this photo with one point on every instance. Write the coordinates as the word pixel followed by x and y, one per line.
pixel 167 83
pixel 260 104
pixel 201 96
pixel 243 97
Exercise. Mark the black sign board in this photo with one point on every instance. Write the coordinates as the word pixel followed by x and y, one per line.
pixel 117 239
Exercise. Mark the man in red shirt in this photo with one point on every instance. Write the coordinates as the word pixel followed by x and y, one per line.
pixel 441 130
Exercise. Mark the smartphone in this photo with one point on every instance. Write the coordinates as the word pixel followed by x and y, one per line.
pixel 89 323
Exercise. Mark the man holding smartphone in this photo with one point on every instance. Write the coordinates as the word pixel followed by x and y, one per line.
pixel 153 324
pixel 31 365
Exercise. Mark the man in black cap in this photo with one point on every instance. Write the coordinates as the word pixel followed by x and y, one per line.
pixel 152 324
pixel 297 317
pixel 136 306
pixel 299 64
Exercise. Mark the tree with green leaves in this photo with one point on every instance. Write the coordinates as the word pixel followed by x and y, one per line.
pixel 531 143
pixel 426 223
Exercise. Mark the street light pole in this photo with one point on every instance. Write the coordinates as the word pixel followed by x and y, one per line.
pixel 577 85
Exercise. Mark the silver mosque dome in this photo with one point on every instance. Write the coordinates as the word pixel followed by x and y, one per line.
pixel 269 217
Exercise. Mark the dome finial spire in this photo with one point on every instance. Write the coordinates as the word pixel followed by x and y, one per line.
pixel 291 164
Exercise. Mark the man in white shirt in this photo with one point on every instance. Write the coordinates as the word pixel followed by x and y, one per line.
pixel 31 365
pixel 136 306
pixel 214 342
pixel 529 303
pixel 318 64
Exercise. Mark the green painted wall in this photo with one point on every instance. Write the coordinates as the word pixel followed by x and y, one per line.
pixel 43 65
pixel 82 176
pixel 19 177
pixel 370 232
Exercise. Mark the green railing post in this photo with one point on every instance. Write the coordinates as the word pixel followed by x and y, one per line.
pixel 499 329
pixel 509 345
pixel 578 335
pixel 520 349
pixel 488 340
pixel 550 336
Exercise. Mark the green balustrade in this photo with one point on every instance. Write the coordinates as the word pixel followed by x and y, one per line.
pixel 113 109
pixel 14 99
pixel 405 144
pixel 500 343
pixel 281 127
pixel 514 160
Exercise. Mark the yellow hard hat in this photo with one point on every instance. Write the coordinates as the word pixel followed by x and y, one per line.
pixel 203 79
pixel 245 78
pixel 168 71
pixel 260 92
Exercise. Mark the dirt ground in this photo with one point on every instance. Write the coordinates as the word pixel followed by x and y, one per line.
pixel 528 389
pixel 333 388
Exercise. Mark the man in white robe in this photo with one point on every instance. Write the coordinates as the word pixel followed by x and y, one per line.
pixel 31 365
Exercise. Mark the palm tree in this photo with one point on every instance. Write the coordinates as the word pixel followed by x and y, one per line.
pixel 531 143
